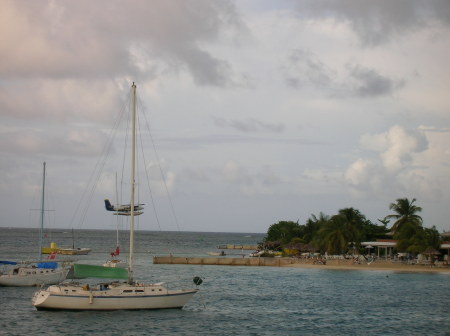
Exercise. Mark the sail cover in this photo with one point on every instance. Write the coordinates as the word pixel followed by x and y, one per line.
pixel 5 262
pixel 49 265
pixel 81 271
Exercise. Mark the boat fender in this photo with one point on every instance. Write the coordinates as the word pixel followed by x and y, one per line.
pixel 197 280
pixel 91 297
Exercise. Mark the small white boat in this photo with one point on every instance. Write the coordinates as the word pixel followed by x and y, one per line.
pixel 33 273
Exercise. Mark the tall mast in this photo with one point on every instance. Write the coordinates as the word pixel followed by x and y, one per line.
pixel 41 230
pixel 133 154
pixel 117 217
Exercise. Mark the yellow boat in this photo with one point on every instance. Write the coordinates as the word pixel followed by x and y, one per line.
pixel 53 249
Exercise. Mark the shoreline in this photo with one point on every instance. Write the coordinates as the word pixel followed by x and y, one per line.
pixel 374 266
pixel 331 264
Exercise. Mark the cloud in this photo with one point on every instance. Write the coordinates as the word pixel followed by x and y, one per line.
pixel 264 182
pixel 400 166
pixel 106 39
pixel 364 176
pixel 249 125
pixel 64 143
pixel 396 146
pixel 369 83
pixel 305 69
pixel 60 100
pixel 234 173
pixel 378 22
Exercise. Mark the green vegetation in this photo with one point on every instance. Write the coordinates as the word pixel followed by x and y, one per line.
pixel 344 232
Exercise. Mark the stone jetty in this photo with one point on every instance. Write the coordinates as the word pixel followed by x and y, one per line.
pixel 256 261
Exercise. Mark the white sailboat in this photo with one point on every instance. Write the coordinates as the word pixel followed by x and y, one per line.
pixel 116 295
pixel 34 273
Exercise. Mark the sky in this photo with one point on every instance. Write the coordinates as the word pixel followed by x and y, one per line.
pixel 260 111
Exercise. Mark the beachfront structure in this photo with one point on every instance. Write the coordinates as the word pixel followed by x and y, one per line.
pixel 386 244
pixel 389 244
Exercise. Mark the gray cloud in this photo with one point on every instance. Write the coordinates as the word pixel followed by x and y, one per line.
pixel 304 67
pixel 369 83
pixel 249 125
pixel 376 22
pixel 109 38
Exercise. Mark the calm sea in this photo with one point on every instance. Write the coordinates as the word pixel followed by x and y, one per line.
pixel 234 300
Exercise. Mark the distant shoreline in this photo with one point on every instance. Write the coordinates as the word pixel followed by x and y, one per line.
pixel 331 264
pixel 374 266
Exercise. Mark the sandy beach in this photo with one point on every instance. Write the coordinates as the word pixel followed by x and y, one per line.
pixel 336 264
pixel 374 266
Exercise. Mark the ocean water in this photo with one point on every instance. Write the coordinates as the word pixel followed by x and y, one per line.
pixel 234 300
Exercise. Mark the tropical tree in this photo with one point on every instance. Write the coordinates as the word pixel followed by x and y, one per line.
pixel 373 231
pixel 410 238
pixel 432 238
pixel 283 232
pixel 354 222
pixel 313 225
pixel 333 236
pixel 405 212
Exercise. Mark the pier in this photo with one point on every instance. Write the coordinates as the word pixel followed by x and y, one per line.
pixel 237 247
pixel 256 261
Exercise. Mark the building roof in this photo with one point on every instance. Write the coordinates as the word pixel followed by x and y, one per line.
pixel 392 243
pixel 387 243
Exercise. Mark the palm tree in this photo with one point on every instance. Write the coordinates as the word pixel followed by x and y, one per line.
pixel 333 236
pixel 354 223
pixel 405 212
pixel 313 225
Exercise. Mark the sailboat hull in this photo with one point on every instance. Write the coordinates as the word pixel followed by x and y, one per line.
pixel 115 263
pixel 29 276
pixel 116 297
pixel 74 251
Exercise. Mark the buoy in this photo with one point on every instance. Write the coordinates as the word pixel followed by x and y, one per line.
pixel 197 280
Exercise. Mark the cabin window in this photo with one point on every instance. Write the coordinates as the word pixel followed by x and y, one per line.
pixel 139 291
pixel 128 291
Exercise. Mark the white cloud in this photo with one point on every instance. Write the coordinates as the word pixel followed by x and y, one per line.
pixel 234 173
pixel 408 162
pixel 401 144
